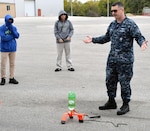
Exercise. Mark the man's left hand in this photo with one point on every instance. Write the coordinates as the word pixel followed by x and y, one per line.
pixel 144 45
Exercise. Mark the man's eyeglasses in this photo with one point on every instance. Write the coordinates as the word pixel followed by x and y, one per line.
pixel 115 11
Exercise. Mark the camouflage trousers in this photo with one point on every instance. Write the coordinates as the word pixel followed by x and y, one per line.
pixel 122 73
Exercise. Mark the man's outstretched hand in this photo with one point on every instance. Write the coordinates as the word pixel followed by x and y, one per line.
pixel 88 40
pixel 144 45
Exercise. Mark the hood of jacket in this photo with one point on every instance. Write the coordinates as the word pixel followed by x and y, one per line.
pixel 7 18
pixel 62 12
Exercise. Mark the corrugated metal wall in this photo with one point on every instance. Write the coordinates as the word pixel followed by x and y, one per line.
pixel 26 8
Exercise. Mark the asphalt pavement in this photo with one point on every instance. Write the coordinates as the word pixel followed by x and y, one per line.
pixel 38 102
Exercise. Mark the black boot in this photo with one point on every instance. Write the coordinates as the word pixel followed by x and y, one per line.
pixel 3 81
pixel 110 104
pixel 123 109
pixel 13 81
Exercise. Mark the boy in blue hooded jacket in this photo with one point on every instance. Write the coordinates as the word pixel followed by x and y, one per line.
pixel 8 46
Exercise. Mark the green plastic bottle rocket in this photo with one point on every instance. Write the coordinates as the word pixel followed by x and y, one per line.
pixel 71 100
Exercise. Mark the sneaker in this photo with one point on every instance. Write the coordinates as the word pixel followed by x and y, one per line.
pixel 110 104
pixel 123 109
pixel 57 69
pixel 13 81
pixel 3 81
pixel 71 69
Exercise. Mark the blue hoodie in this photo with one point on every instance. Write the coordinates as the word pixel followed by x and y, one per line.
pixel 8 36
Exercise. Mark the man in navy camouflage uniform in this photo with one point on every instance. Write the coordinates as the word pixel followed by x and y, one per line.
pixel 121 32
